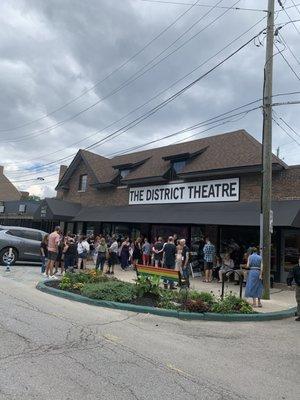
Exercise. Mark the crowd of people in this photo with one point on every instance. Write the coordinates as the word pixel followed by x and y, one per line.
pixel 61 253
pixel 64 253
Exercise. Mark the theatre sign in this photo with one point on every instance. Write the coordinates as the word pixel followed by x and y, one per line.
pixel 189 192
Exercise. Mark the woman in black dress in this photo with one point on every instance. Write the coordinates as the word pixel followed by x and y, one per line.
pixel 125 253
pixel 137 252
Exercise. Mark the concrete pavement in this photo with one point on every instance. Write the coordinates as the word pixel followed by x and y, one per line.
pixel 52 348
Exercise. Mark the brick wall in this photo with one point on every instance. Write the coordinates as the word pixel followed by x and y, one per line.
pixel 286 186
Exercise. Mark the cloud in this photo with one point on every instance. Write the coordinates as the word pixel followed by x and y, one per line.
pixel 54 51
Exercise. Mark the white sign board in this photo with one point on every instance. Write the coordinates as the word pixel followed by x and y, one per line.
pixel 188 192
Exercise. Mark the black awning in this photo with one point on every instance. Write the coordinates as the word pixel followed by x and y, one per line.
pixel 286 213
pixel 52 208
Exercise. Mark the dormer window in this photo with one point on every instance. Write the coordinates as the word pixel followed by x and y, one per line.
pixel 124 172
pixel 82 187
pixel 178 166
pixel 22 208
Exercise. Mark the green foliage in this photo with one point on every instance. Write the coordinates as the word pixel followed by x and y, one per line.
pixel 148 285
pixel 168 299
pixel 33 197
pixel 111 290
pixel 75 281
pixel 65 283
pixel 232 304
pixel 208 298
pixel 198 306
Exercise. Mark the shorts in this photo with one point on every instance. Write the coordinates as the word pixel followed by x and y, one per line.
pixel 52 255
pixel 82 256
pixel 113 259
pixel 208 265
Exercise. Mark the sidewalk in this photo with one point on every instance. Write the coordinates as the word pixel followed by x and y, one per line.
pixel 281 299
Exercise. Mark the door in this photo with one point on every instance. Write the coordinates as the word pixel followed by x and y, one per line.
pixel 291 251
pixel 29 244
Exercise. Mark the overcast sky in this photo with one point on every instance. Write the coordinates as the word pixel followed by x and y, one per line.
pixel 53 51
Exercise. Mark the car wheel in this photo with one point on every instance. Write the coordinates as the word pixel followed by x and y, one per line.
pixel 5 258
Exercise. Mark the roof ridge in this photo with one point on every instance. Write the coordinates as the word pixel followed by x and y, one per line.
pixel 189 141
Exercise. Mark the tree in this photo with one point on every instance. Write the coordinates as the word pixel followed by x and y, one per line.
pixel 34 197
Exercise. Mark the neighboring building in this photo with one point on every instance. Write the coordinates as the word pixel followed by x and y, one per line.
pixel 7 190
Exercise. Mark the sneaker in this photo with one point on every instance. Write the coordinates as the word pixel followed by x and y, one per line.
pixel 44 274
pixel 53 277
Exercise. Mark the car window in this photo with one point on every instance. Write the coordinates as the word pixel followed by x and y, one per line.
pixel 24 234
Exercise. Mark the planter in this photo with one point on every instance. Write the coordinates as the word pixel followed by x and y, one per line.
pixel 164 312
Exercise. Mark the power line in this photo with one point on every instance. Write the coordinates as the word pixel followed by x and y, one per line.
pixel 193 127
pixel 287 62
pixel 122 65
pixel 214 121
pixel 289 48
pixel 289 126
pixel 296 6
pixel 287 14
pixel 138 73
pixel 157 95
pixel 211 120
pixel 284 130
pixel 204 5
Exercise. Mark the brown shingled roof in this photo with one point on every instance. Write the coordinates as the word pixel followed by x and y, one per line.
pixel 235 149
pixel 7 190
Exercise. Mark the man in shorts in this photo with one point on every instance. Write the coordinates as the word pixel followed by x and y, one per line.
pixel 209 252
pixel 53 243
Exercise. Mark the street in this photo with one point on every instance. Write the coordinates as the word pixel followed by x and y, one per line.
pixel 56 349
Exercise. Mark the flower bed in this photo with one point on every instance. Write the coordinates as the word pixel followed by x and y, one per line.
pixel 147 292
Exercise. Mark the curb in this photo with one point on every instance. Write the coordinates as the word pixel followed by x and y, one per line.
pixel 164 312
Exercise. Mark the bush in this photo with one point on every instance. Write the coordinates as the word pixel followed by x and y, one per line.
pixel 76 280
pixel 148 285
pixel 232 304
pixel 111 290
pixel 197 306
pixel 207 297
pixel 168 299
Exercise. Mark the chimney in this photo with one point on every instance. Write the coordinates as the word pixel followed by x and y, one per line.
pixel 1 170
pixel 62 170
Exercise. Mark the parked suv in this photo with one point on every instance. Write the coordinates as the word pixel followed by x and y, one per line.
pixel 25 244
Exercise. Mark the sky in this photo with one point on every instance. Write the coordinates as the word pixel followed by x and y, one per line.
pixel 73 72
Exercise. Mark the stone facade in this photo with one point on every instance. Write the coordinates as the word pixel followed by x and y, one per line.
pixel 286 186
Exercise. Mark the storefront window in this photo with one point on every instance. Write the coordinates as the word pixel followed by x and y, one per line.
pixel 79 228
pixel 197 232
pixel 90 229
pixel 106 229
pixel 291 250
pixel 169 230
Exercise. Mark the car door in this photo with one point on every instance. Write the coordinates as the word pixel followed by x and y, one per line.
pixel 30 243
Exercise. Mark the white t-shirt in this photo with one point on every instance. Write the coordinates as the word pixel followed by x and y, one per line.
pixel 83 246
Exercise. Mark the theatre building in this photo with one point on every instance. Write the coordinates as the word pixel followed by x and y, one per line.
pixel 210 186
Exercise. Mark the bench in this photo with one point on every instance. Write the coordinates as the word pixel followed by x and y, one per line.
pixel 163 273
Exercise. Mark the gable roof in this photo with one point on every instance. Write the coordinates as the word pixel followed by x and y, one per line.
pixel 228 151
pixel 7 190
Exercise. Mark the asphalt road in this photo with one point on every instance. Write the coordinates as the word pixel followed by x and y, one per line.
pixel 51 348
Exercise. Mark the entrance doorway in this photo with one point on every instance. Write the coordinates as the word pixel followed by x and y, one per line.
pixel 165 231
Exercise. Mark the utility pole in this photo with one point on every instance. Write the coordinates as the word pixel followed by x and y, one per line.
pixel 278 152
pixel 266 197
